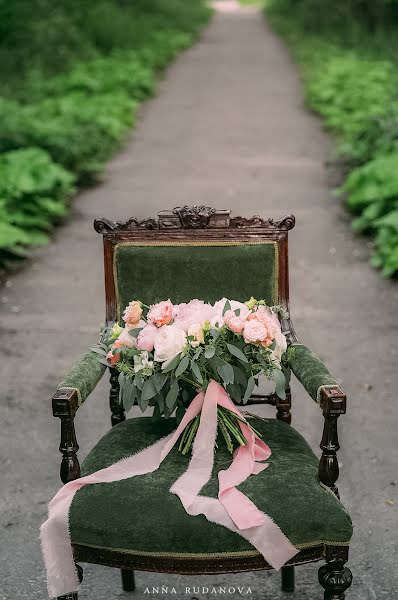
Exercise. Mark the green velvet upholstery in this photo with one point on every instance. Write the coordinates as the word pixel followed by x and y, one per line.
pixel 84 375
pixel 157 272
pixel 309 370
pixel 140 514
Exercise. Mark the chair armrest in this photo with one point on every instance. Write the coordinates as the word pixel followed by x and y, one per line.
pixel 311 372
pixel 83 376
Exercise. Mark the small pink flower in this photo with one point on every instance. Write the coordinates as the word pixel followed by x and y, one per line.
pixel 146 337
pixel 233 322
pixel 161 313
pixel 132 313
pixel 112 358
pixel 254 332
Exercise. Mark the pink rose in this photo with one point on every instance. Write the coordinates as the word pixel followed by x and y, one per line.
pixel 169 341
pixel 254 332
pixel 161 313
pixel 233 322
pixel 146 337
pixel 125 339
pixel 132 313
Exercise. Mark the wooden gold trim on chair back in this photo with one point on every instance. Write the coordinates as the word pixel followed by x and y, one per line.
pixel 194 226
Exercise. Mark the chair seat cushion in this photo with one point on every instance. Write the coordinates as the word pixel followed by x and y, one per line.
pixel 140 515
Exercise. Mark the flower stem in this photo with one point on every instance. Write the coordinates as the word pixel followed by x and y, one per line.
pixel 192 433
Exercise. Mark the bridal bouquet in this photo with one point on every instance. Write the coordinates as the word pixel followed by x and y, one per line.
pixel 167 352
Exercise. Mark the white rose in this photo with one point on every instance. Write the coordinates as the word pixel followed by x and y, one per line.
pixel 196 331
pixel 169 342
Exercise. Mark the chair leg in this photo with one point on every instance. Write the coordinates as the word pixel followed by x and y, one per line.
pixel 288 579
pixel 334 577
pixel 128 581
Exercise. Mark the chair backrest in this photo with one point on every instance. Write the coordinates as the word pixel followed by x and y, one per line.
pixel 194 252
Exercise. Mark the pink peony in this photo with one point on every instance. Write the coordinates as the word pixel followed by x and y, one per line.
pixel 233 322
pixel 132 313
pixel 254 332
pixel 146 337
pixel 192 313
pixel 169 341
pixel 235 305
pixel 161 313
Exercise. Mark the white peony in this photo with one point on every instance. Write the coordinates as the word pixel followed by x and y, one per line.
pixel 169 342
pixel 196 331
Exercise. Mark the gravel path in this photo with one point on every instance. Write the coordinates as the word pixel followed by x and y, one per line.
pixel 228 128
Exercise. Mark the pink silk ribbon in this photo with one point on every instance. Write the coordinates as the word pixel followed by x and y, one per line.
pixel 232 508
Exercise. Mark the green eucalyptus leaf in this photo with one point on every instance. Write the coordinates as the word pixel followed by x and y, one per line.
pixel 148 390
pixel 182 367
pixel 226 373
pixel 98 350
pixel 227 306
pixel 172 395
pixel 171 364
pixel 249 390
pixel 159 380
pixel 236 352
pixel 209 352
pixel 134 332
pixel 240 377
pixel 280 383
pixel 196 371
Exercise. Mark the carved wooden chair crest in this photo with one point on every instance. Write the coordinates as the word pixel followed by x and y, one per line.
pixel 153 259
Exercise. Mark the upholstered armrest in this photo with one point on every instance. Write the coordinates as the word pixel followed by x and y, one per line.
pixel 310 371
pixel 83 376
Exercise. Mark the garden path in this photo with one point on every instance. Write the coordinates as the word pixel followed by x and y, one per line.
pixel 228 128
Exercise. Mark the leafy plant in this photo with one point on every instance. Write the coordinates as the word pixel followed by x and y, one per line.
pixel 33 192
pixel 350 79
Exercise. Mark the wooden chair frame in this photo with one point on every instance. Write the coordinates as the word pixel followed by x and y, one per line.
pixel 204 223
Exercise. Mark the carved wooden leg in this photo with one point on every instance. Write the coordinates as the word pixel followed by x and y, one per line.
pixel 288 579
pixel 65 403
pixel 328 464
pixel 333 403
pixel 283 408
pixel 117 410
pixel 128 581
pixel 334 577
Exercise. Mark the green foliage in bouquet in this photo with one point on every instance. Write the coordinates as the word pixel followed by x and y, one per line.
pixel 350 79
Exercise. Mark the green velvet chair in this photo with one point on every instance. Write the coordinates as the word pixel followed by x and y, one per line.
pixel 202 252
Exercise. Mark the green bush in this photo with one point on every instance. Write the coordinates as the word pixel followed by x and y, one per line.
pixel 78 131
pixel 33 192
pixel 59 130
pixel 353 85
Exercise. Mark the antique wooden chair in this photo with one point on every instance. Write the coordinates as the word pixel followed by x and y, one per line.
pixel 136 524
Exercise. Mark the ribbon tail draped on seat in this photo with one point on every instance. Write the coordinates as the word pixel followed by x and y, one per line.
pixel 232 509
